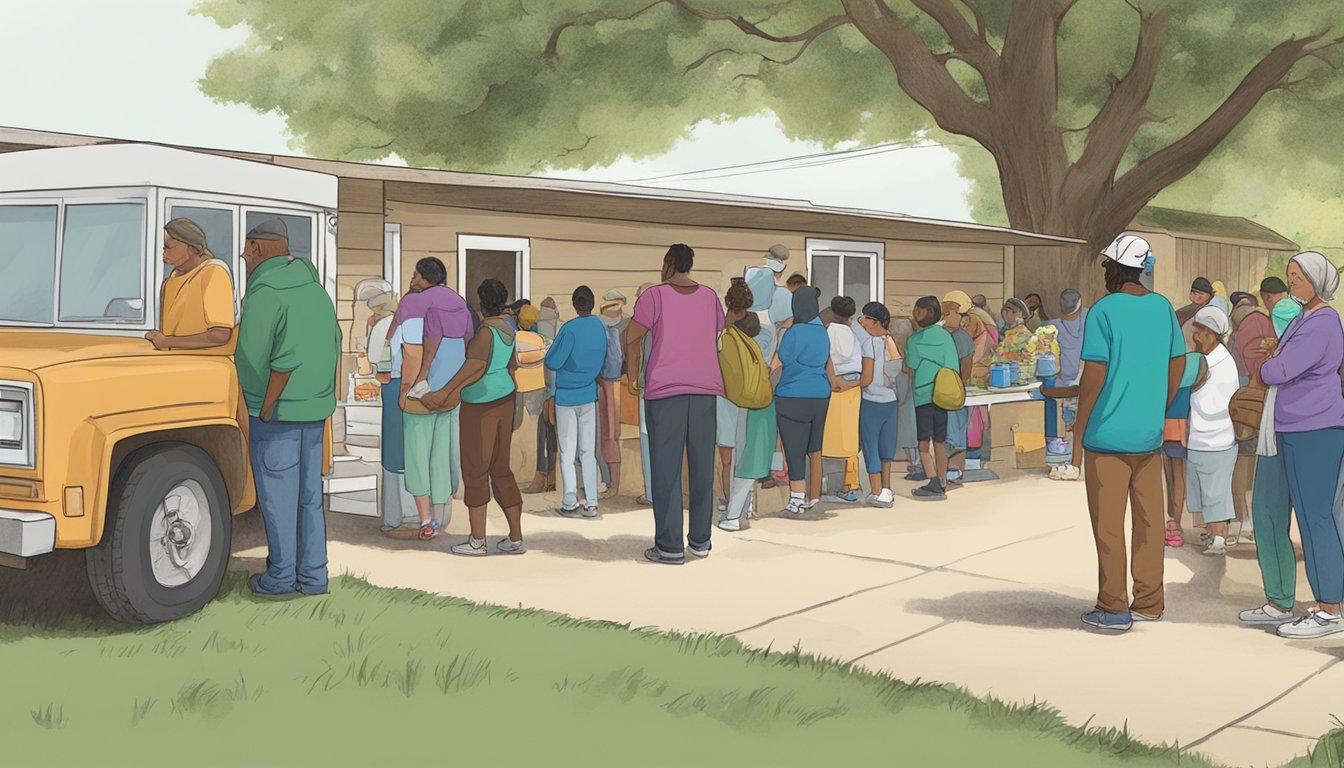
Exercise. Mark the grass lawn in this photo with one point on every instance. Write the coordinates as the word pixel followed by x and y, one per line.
pixel 367 675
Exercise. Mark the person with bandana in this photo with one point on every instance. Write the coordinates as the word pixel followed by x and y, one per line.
pixel 1301 449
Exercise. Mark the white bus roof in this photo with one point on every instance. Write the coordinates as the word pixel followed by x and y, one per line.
pixel 150 165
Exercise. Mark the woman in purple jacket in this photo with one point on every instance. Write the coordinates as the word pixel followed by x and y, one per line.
pixel 1308 414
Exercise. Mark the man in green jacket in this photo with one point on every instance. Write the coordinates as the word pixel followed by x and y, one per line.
pixel 288 346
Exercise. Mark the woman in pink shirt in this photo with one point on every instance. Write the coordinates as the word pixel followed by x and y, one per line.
pixel 682 379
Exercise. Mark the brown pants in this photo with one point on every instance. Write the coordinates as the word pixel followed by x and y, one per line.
pixel 1112 481
pixel 486 440
pixel 608 422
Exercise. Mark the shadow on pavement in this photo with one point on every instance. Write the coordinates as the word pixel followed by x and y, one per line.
pixel 1029 609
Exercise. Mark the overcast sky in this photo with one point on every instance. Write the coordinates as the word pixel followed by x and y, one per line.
pixel 128 69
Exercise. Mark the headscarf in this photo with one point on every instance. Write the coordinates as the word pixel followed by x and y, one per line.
pixel 527 317
pixel 990 326
pixel 805 304
pixel 1322 275
pixel 1021 306
pixel 972 324
pixel 190 233
pixel 1215 319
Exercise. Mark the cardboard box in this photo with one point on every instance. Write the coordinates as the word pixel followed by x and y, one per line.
pixel 1028 448
pixel 1003 417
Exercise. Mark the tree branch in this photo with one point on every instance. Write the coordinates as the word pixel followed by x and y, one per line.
pixel 1123 113
pixel 589 20
pixel 796 56
pixel 817 30
pixel 981 28
pixel 1173 162
pixel 973 47
pixel 921 73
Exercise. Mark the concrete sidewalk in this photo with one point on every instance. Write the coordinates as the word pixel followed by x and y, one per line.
pixel 982 591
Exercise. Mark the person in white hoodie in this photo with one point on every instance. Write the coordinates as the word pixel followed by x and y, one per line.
pixel 1212 446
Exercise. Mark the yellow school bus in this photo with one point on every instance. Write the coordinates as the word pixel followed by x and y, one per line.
pixel 137 456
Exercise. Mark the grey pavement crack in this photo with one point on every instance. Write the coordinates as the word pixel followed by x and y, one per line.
pixel 918 634
pixel 825 603
pixel 924 571
pixel 1274 731
pixel 1262 707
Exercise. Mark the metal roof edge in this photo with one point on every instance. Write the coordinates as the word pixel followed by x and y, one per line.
pixel 464 178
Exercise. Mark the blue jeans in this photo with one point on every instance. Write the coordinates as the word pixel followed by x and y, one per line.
pixel 877 434
pixel 287 465
pixel 576 426
pixel 1312 461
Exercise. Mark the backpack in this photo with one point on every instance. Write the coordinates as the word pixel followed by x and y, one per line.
pixel 746 377
pixel 613 362
pixel 949 391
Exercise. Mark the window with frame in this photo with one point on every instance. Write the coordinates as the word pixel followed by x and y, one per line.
pixel 28 262
pixel 102 264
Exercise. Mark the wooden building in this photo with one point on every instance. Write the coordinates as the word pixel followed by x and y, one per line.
pixel 1186 245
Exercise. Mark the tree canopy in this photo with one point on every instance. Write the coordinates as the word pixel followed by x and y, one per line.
pixel 1053 106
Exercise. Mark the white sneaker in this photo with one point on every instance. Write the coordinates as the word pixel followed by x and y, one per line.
pixel 795 506
pixel 1266 614
pixel 811 504
pixel 1316 624
pixel 510 547
pixel 471 548
pixel 1065 472
pixel 884 499
pixel 732 525
pixel 1217 547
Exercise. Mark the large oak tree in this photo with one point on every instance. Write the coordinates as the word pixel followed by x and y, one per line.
pixel 1082 111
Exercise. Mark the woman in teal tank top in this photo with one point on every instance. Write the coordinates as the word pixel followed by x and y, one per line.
pixel 486 388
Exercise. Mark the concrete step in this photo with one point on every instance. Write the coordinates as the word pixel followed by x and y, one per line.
pixel 361 504
pixel 349 484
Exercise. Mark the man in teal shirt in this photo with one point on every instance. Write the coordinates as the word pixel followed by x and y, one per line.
pixel 927 351
pixel 1133 359
pixel 288 346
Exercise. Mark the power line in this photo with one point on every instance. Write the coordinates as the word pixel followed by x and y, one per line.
pixel 794 163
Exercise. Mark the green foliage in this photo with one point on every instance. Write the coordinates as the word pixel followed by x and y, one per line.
pixel 364 674
pixel 465 84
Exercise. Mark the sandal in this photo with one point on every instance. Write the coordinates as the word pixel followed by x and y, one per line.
pixel 1174 537
pixel 427 531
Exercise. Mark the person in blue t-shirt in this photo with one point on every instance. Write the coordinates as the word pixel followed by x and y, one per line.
pixel 576 357
pixel 1133 361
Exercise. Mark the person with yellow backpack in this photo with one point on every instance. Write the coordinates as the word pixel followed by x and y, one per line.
pixel 932 363
pixel 746 386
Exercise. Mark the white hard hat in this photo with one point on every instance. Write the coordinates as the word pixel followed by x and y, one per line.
pixel 1128 250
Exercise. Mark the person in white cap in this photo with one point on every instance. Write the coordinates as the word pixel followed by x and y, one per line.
pixel 1133 357
pixel 1211 455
